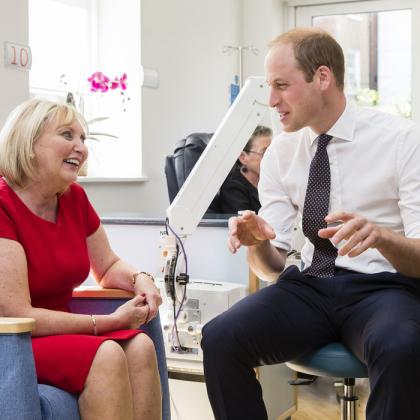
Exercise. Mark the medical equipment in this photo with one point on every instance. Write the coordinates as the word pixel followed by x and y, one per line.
pixel 194 197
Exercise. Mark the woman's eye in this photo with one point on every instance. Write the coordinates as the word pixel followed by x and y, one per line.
pixel 67 135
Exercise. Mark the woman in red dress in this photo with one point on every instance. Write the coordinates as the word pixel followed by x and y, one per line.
pixel 50 238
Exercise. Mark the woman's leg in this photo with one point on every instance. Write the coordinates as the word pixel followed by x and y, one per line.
pixel 107 391
pixel 144 377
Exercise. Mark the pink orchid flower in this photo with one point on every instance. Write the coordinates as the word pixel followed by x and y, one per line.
pixel 115 83
pixel 98 82
pixel 123 81
pixel 101 83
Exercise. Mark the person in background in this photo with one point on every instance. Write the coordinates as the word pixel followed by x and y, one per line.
pixel 50 238
pixel 239 191
pixel 353 174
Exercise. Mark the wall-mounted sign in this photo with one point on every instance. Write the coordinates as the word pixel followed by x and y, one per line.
pixel 17 56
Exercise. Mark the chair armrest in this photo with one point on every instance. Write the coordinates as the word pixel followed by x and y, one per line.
pixel 101 293
pixel 19 397
pixel 100 301
pixel 16 325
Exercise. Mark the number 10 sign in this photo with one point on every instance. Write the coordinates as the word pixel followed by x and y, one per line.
pixel 17 56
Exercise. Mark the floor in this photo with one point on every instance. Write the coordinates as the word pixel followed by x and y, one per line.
pixel 318 401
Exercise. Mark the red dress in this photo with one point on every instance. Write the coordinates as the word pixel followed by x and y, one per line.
pixel 58 262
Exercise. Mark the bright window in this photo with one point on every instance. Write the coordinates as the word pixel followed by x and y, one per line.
pixel 81 37
pixel 378 41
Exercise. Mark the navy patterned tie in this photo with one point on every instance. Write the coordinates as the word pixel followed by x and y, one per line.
pixel 315 209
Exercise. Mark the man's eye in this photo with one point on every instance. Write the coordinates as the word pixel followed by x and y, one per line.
pixel 281 86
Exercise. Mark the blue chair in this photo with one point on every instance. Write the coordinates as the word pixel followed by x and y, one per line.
pixel 21 398
pixel 334 360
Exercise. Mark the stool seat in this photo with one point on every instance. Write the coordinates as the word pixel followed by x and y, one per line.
pixel 333 360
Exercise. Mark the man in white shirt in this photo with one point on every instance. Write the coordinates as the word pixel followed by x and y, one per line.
pixel 369 298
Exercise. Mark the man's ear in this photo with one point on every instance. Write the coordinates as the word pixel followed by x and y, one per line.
pixel 325 77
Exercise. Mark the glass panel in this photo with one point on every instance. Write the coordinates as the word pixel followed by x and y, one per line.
pixel 378 72
pixel 76 43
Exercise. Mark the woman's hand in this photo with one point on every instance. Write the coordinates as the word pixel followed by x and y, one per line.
pixel 248 229
pixel 133 313
pixel 145 285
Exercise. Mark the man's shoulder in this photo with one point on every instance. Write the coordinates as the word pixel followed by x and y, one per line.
pixel 382 120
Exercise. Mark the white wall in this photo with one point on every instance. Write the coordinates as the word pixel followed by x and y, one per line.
pixel 14 84
pixel 183 40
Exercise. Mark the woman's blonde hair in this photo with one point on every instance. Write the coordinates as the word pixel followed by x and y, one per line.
pixel 24 125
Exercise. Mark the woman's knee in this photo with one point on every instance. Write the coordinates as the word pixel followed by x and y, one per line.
pixel 109 360
pixel 142 349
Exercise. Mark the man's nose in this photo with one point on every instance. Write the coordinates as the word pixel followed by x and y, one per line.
pixel 274 98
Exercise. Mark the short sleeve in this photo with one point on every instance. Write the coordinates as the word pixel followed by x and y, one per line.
pixel 7 225
pixel 92 220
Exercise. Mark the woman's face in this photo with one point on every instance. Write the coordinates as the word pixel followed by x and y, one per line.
pixel 59 152
pixel 252 158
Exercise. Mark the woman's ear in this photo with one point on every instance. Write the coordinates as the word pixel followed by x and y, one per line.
pixel 243 158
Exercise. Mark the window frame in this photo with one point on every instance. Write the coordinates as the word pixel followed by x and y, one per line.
pixel 95 13
pixel 300 13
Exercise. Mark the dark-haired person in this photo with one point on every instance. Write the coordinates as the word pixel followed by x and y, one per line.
pixel 353 175
pixel 239 191
pixel 50 238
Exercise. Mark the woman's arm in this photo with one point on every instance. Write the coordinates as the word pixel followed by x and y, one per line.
pixel 15 301
pixel 111 271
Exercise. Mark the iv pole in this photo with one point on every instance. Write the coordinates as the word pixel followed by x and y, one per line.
pixel 229 49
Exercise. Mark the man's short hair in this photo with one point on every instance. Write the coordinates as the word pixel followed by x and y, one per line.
pixel 23 127
pixel 313 48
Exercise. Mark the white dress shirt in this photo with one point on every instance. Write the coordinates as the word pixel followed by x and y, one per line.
pixel 375 172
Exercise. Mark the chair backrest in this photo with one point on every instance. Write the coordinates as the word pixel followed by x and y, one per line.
pixel 179 165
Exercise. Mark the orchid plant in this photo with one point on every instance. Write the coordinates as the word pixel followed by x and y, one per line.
pixel 99 82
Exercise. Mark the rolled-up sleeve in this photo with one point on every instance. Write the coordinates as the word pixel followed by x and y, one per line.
pixel 276 207
pixel 408 170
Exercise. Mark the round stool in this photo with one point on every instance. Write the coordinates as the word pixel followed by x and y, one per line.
pixel 334 360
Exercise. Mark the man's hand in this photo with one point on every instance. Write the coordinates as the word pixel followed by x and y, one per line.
pixel 145 286
pixel 248 229
pixel 358 232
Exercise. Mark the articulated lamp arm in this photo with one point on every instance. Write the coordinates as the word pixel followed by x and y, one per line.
pixel 217 160
pixel 208 174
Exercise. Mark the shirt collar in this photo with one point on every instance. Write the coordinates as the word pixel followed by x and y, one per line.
pixel 344 127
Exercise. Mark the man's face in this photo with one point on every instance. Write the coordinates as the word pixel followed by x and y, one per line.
pixel 298 102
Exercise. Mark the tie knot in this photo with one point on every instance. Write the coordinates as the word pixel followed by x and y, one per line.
pixel 323 140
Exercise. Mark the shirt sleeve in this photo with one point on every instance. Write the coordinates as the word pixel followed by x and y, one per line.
pixel 276 207
pixel 408 169
pixel 92 219
pixel 7 225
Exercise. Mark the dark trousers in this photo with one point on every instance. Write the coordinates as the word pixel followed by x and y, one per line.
pixel 377 316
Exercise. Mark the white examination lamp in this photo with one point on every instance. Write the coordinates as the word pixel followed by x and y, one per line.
pixel 208 174
pixel 217 160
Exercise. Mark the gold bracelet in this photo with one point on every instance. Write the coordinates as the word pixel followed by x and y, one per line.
pixel 142 272
pixel 95 329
